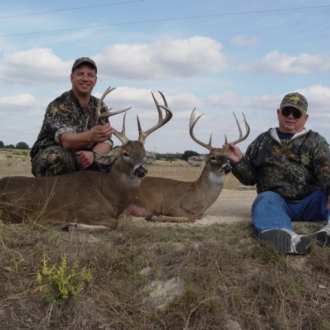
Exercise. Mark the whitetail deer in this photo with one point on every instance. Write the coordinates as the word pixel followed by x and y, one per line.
pixel 86 200
pixel 167 200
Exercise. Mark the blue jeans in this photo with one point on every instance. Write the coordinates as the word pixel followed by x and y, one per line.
pixel 271 211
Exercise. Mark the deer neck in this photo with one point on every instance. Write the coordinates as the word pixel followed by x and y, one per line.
pixel 211 181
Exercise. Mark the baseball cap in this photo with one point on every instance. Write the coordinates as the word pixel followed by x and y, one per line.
pixel 82 60
pixel 294 100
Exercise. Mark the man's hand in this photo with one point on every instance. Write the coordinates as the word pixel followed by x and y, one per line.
pixel 76 141
pixel 86 159
pixel 234 153
pixel 328 205
pixel 100 133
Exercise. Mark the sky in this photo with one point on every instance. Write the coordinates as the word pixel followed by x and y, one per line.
pixel 216 56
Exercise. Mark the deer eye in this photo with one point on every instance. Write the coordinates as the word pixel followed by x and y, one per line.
pixel 126 154
pixel 213 158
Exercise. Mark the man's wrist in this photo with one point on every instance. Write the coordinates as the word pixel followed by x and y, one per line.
pixel 95 154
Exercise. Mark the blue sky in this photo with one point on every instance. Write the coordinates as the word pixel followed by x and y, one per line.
pixel 216 56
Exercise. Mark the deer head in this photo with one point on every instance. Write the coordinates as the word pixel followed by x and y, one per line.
pixel 132 153
pixel 217 157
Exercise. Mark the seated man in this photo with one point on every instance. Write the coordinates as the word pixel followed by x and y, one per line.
pixel 70 137
pixel 291 167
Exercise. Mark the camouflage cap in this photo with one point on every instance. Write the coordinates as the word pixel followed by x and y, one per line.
pixel 295 100
pixel 83 60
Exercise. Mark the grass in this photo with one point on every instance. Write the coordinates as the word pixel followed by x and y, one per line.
pixel 147 276
pixel 223 274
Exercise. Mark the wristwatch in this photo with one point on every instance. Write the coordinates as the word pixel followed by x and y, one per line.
pixel 95 154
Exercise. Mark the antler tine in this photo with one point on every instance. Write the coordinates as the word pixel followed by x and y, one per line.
pixel 100 116
pixel 192 124
pixel 161 120
pixel 121 135
pixel 99 103
pixel 247 127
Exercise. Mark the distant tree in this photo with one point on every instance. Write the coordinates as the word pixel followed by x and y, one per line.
pixel 2 145
pixel 189 153
pixel 22 145
pixel 10 146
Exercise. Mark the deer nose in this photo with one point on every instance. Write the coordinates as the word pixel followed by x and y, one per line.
pixel 140 171
pixel 226 169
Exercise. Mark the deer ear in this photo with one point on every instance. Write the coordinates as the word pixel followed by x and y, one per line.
pixel 109 157
pixel 196 160
pixel 149 157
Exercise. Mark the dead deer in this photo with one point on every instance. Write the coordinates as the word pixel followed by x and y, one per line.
pixel 167 200
pixel 86 200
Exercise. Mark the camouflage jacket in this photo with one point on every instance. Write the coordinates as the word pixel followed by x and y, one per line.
pixel 65 114
pixel 292 168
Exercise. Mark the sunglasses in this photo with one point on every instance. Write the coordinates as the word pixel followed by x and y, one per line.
pixel 296 114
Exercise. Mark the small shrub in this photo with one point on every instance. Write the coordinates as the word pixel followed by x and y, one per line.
pixel 60 282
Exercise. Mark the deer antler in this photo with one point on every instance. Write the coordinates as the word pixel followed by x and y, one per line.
pixel 208 146
pixel 121 135
pixel 247 127
pixel 161 121
pixel 101 116
pixel 192 124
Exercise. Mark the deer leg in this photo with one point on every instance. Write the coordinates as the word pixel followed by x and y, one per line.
pixel 107 223
pixel 164 218
pixel 138 211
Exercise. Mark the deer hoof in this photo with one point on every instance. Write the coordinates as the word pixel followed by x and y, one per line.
pixel 149 217
pixel 68 226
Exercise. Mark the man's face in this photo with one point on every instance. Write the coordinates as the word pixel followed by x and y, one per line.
pixel 83 80
pixel 287 121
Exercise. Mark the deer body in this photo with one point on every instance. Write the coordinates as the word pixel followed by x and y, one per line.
pixel 93 198
pixel 167 200
pixel 86 200
pixel 180 201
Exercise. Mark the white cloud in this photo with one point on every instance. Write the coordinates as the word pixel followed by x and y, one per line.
pixel 243 41
pixel 281 63
pixel 225 99
pixel 18 102
pixel 33 66
pixel 163 59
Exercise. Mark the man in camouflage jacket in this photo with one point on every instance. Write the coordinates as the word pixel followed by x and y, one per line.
pixel 70 137
pixel 291 168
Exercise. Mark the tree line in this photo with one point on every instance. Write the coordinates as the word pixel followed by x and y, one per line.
pixel 19 145
pixel 166 156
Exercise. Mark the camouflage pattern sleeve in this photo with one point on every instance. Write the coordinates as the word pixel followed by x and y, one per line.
pixel 244 170
pixel 321 162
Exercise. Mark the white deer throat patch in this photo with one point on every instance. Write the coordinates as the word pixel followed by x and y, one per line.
pixel 217 179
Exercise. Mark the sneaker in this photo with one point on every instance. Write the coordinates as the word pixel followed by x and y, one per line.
pixel 287 241
pixel 323 236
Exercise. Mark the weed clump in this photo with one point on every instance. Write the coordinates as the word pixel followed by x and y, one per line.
pixel 61 281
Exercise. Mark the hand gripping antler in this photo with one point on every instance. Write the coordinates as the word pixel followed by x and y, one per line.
pixel 208 146
pixel 161 121
pixel 101 116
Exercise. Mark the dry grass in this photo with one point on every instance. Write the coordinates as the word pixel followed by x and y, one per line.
pixel 217 277
pixel 226 277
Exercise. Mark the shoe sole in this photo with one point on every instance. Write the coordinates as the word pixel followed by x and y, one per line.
pixel 281 241
pixel 322 238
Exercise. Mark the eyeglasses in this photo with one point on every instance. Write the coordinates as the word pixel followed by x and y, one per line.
pixel 296 114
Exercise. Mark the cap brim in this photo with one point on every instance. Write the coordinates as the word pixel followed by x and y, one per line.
pixel 289 105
